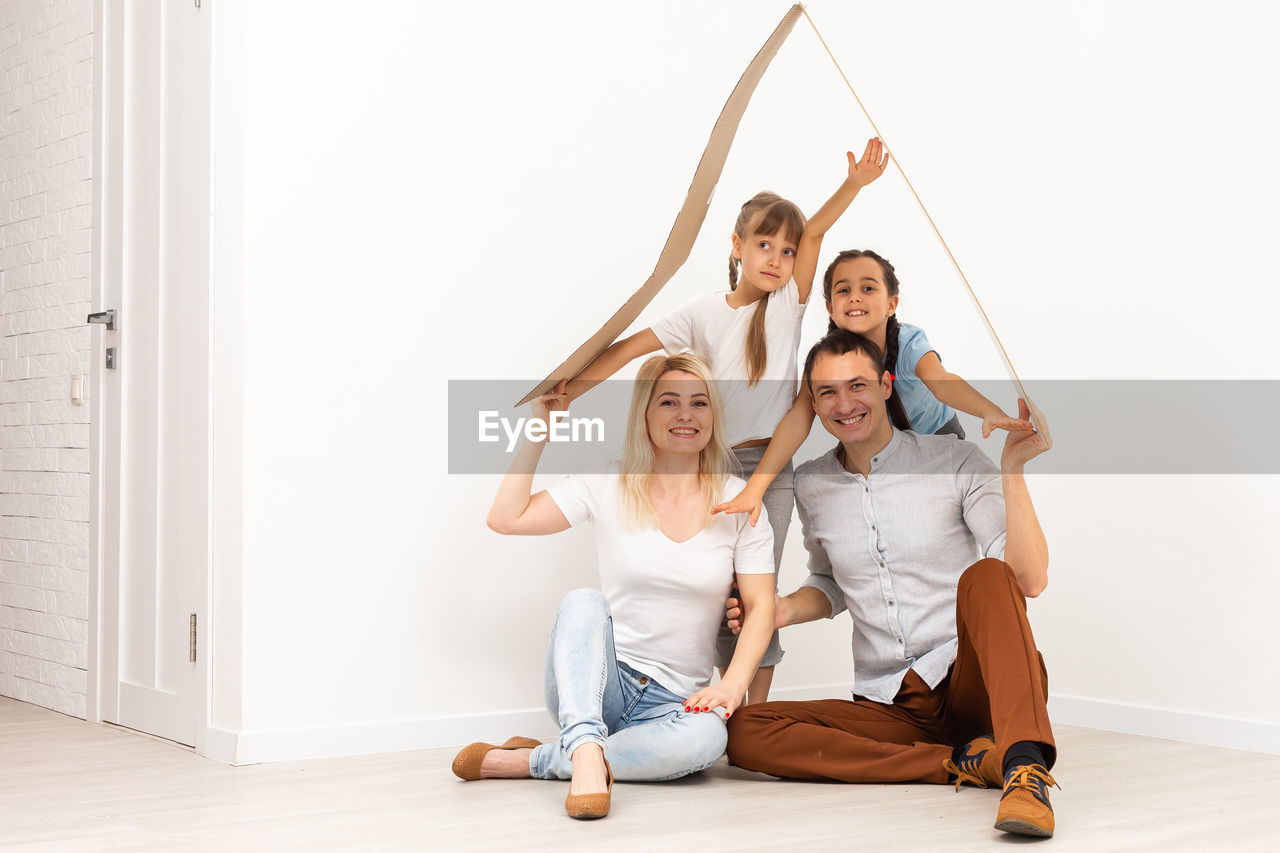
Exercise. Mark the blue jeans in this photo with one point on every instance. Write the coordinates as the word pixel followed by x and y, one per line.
pixel 641 725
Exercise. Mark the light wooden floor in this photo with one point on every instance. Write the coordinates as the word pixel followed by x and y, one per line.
pixel 66 785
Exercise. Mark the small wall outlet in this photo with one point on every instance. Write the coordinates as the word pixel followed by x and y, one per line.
pixel 77 389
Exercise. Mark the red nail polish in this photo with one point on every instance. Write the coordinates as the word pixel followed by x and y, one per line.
pixel 686 708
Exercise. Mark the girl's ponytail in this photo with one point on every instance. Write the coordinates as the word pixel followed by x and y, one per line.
pixel 897 411
pixel 757 353
pixel 891 344
pixel 757 345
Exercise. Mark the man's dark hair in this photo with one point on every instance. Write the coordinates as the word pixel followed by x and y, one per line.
pixel 841 342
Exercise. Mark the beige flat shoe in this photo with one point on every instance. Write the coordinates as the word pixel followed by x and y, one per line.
pixel 591 806
pixel 467 764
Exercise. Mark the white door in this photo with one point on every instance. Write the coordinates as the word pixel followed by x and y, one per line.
pixel 152 408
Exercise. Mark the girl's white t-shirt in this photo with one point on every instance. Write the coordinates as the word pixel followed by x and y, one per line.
pixel 707 325
pixel 667 598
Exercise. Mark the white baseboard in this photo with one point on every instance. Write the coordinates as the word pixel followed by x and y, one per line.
pixel 258 747
pixel 255 747
pixel 1208 729
pixel 808 694
pixel 220 745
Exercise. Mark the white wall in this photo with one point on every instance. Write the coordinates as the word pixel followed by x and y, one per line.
pixel 436 192
pixel 46 100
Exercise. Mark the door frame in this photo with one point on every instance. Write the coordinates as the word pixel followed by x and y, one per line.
pixel 102 699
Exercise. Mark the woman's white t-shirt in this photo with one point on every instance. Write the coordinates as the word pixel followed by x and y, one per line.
pixel 667 598
pixel 708 325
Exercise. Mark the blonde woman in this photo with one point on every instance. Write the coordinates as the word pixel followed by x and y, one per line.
pixel 628 673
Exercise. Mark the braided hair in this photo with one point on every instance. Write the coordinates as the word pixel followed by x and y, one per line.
pixel 892 326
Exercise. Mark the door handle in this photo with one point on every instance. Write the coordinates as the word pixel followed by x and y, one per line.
pixel 107 318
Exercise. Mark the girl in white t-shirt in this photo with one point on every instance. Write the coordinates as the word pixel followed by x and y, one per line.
pixel 628 673
pixel 750 335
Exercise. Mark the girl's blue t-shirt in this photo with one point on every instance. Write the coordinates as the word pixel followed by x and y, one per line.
pixel 927 414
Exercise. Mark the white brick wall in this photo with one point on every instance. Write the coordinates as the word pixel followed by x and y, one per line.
pixel 46 98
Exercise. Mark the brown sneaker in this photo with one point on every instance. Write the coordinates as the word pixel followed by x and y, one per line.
pixel 979 765
pixel 1024 806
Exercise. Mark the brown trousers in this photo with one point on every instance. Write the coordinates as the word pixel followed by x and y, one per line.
pixel 997 683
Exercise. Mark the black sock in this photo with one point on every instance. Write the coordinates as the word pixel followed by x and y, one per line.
pixel 1022 753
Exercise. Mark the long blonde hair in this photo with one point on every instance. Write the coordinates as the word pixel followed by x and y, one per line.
pixel 776 213
pixel 714 461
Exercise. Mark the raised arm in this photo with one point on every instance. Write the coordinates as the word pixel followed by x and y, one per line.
pixel 611 361
pixel 515 510
pixel 792 430
pixel 1025 549
pixel 861 173
pixel 952 390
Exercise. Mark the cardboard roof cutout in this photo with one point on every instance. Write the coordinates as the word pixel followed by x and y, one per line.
pixel 698 201
pixel 689 221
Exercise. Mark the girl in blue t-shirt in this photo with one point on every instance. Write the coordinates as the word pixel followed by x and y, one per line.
pixel 861 290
